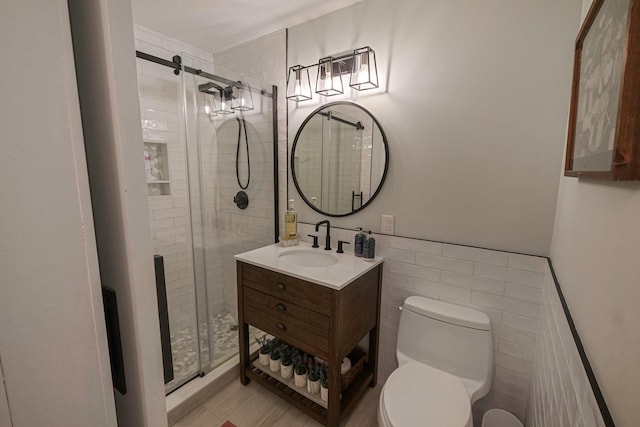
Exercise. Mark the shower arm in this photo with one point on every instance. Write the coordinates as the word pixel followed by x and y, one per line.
pixel 211 88
pixel 176 64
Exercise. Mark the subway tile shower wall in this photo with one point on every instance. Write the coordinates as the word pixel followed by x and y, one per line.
pixel 535 357
pixel 263 60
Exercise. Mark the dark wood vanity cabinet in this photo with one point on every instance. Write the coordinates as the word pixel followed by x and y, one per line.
pixel 325 322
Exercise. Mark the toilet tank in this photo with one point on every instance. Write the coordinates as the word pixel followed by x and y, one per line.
pixel 448 337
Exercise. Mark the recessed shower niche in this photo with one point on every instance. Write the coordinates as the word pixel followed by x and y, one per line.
pixel 156 166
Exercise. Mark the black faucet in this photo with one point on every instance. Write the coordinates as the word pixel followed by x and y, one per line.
pixel 327 246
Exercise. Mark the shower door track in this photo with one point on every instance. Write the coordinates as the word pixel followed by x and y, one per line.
pixel 176 64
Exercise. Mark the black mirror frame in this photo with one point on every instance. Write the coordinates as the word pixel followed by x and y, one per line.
pixel 293 150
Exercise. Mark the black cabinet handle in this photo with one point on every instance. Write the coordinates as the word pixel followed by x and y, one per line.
pixel 281 286
pixel 281 307
pixel 281 326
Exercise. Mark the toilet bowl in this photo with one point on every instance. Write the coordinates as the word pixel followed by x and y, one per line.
pixel 417 395
pixel 445 358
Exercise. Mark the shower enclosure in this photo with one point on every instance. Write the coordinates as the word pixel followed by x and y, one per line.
pixel 197 159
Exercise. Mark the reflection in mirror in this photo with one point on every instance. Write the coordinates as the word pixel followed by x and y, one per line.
pixel 339 159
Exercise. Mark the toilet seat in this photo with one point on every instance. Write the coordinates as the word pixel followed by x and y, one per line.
pixel 420 395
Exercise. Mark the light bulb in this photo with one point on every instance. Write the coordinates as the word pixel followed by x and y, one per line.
pixel 363 70
pixel 363 74
pixel 298 90
pixel 328 80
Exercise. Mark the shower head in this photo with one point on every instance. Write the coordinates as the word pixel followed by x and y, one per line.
pixel 213 88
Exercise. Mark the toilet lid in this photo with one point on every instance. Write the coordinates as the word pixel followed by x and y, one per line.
pixel 417 395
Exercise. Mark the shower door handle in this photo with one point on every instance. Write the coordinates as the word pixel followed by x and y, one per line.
pixel 112 324
pixel 163 318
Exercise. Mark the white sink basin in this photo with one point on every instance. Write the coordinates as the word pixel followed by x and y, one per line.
pixel 315 265
pixel 309 257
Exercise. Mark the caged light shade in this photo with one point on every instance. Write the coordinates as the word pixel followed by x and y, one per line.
pixel 364 71
pixel 298 83
pixel 223 104
pixel 243 100
pixel 329 80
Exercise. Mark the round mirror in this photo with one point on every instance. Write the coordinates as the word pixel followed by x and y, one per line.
pixel 339 159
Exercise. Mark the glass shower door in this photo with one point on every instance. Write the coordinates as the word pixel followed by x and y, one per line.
pixel 227 154
pixel 163 123
pixel 195 164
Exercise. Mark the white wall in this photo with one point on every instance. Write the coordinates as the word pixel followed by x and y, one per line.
pixel 105 60
pixel 53 345
pixel 595 254
pixel 473 100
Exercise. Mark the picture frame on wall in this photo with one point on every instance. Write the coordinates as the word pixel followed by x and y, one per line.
pixel 604 122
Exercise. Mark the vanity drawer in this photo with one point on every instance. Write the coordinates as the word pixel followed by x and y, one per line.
pixel 311 336
pixel 285 310
pixel 302 293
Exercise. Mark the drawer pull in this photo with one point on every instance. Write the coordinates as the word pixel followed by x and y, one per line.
pixel 281 286
pixel 281 326
pixel 281 307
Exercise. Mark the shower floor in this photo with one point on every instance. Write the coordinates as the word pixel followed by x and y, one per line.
pixel 184 348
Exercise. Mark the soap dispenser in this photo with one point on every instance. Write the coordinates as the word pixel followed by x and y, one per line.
pixel 369 249
pixel 290 223
pixel 358 244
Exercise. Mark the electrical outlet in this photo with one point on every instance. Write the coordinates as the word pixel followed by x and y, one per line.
pixel 387 224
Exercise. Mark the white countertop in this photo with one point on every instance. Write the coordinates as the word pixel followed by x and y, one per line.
pixel 346 270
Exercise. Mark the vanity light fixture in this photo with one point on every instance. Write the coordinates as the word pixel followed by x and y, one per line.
pixel 298 83
pixel 329 77
pixel 361 64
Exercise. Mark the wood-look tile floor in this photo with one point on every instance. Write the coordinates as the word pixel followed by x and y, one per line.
pixel 253 405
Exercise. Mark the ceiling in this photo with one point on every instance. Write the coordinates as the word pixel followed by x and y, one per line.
pixel 214 25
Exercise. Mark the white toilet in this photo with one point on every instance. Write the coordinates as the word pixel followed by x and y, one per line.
pixel 445 363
